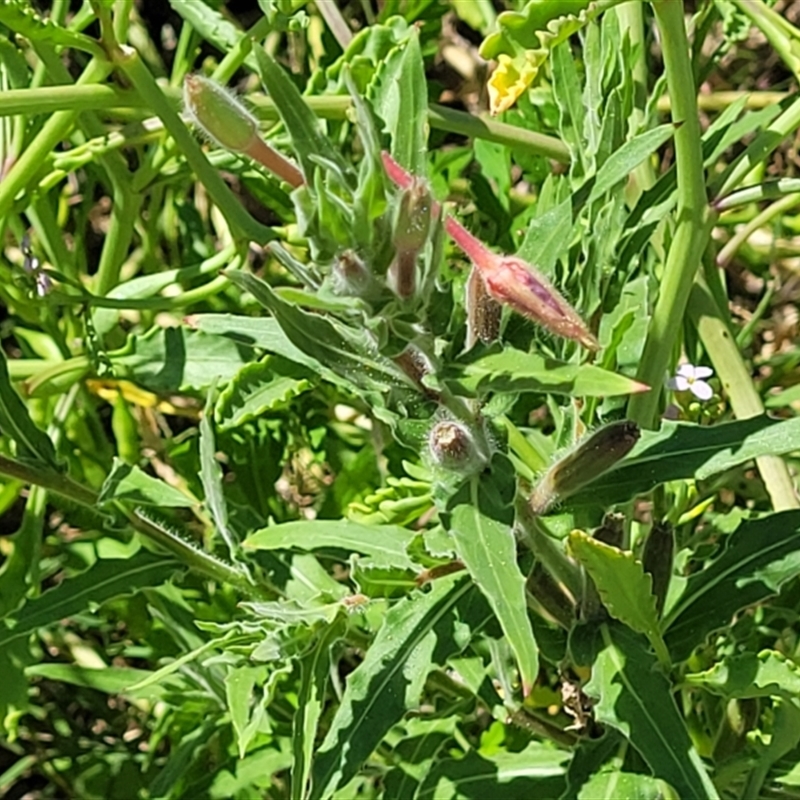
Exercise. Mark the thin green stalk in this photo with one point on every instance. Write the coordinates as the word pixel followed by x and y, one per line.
pixel 727 253
pixel 128 60
pixel 724 353
pixel 193 558
pixel 719 101
pixel 780 33
pixel 26 169
pixel 692 228
pixel 770 190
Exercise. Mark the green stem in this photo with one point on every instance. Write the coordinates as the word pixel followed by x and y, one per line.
pixel 738 385
pixel 727 253
pixel 770 190
pixel 692 228
pixel 193 558
pixel 25 171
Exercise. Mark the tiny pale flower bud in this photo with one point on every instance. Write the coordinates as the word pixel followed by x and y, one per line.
pixel 452 447
pixel 218 114
pixel 590 459
pixel 350 275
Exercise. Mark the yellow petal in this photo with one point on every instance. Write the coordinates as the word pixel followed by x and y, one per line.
pixel 511 78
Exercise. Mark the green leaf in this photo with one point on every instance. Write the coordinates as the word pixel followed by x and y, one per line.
pixel 211 478
pixel 624 587
pixel 481 525
pixel 537 771
pixel 514 371
pixel 175 359
pixel 22 18
pixel 351 354
pixel 681 450
pixel 622 162
pixel 759 557
pixel 388 680
pixel 129 483
pixel 633 696
pixel 268 385
pixel 548 237
pixel 401 100
pixel 239 685
pixel 315 671
pixel 308 140
pixel 749 675
pixel 385 544
pixel 33 444
pixel 104 580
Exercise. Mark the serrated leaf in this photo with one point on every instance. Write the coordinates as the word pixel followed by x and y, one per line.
pixel 624 587
pixel 481 526
pixel 633 696
pixel 172 359
pixel 102 581
pixel 129 483
pixel 15 422
pixel 515 371
pixel 239 685
pixel 385 545
pixel 267 385
pixel 759 557
pixel 681 450
pixel 22 18
pixel 749 675
pixel 385 684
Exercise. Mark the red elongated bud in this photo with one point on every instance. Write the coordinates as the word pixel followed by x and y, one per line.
pixel 513 282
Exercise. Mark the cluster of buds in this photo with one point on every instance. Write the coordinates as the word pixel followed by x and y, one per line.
pixel 509 280
pixel 589 460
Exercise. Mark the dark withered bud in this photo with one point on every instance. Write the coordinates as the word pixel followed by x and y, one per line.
pixel 589 460
pixel 350 276
pixel 611 531
pixel 416 365
pixel 483 311
pixel 452 447
pixel 657 558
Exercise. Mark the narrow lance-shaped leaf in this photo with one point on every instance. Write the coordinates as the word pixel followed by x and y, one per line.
pixel 15 422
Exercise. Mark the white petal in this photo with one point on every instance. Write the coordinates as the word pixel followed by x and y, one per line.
pixel 686 371
pixel 678 384
pixel 703 372
pixel 701 390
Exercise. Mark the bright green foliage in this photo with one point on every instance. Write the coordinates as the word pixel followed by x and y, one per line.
pixel 269 519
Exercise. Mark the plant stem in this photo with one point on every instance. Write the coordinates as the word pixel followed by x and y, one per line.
pixel 692 228
pixel 738 384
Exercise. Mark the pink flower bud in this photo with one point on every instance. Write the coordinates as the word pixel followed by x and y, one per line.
pixel 512 281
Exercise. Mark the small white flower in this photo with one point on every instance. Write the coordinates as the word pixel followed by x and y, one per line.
pixel 691 378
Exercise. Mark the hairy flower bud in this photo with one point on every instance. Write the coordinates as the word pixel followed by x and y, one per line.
pixel 483 312
pixel 413 218
pixel 453 447
pixel 590 459
pixel 513 282
pixel 227 122
pixel 350 275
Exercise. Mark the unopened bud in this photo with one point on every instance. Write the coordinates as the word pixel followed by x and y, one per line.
pixel 350 275
pixel 219 114
pixel 611 531
pixel 590 459
pixel 452 447
pixel 513 282
pixel 412 221
pixel 227 122
pixel 657 559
